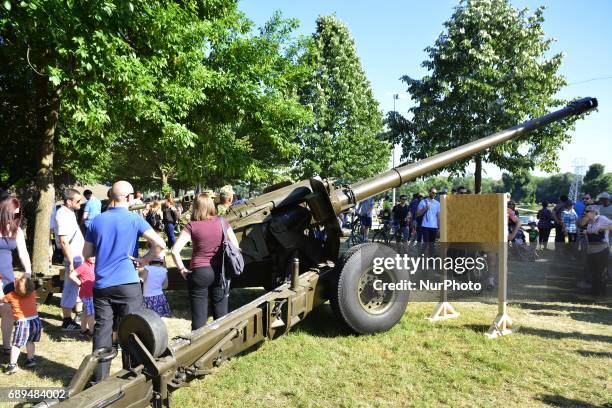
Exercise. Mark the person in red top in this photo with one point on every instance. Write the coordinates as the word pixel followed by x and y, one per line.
pixel 84 278
pixel 514 222
pixel 204 273
pixel 27 323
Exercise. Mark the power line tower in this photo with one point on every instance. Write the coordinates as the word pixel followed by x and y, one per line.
pixel 580 168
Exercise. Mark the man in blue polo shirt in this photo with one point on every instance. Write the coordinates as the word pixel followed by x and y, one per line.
pixel 111 238
pixel 429 208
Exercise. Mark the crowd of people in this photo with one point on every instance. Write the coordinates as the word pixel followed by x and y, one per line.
pixel 581 232
pixel 415 221
pixel 581 228
pixel 105 276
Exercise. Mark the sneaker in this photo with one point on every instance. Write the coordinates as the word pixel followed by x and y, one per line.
pixel 77 318
pixel 31 362
pixel 70 325
pixel 11 369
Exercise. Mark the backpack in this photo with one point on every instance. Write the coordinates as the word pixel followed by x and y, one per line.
pixel 233 262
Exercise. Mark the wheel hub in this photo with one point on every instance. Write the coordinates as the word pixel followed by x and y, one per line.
pixel 375 300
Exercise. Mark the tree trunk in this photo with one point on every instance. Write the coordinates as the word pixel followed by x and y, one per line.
pixel 44 184
pixel 478 174
pixel 165 176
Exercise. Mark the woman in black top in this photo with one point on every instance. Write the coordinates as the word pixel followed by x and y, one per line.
pixel 545 223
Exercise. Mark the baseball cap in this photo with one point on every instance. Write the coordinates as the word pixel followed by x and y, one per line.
pixel 604 195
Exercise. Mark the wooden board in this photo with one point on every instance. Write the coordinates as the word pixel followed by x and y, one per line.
pixel 480 218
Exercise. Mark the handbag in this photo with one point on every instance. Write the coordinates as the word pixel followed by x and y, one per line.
pixel 232 264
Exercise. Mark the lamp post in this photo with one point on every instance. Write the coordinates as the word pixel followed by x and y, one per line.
pixel 395 97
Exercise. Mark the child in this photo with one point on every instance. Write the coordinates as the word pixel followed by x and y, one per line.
pixel 27 323
pixel 155 278
pixel 533 234
pixel 84 277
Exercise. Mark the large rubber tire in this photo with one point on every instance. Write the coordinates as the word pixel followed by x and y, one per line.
pixel 352 267
pixel 149 328
pixel 333 295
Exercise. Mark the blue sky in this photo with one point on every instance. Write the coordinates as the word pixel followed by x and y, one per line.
pixel 390 36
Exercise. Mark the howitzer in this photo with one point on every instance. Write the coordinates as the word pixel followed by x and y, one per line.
pixel 282 251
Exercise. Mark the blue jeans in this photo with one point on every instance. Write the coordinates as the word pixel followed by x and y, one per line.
pixel 405 233
pixel 169 230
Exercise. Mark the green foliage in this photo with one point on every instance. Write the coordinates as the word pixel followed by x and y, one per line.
pixel 119 67
pixel 596 181
pixel 154 92
pixel 595 170
pixel 522 187
pixel 342 142
pixel 488 71
pixel 551 188
pixel 248 121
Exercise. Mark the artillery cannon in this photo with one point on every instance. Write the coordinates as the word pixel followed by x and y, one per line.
pixel 281 251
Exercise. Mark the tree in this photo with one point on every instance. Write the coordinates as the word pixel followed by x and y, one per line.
pixel 595 170
pixel 596 181
pixel 94 72
pixel 522 187
pixel 553 187
pixel 488 71
pixel 342 142
pixel 252 112
pixel 247 122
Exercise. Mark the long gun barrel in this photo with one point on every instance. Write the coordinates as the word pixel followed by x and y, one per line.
pixel 400 175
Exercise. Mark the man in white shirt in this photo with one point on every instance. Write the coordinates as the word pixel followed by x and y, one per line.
pixel 429 208
pixel 68 236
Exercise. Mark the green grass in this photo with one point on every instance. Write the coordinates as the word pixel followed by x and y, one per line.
pixel 560 356
pixel 551 361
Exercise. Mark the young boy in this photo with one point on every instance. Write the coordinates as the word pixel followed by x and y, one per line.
pixel 84 277
pixel 533 234
pixel 27 323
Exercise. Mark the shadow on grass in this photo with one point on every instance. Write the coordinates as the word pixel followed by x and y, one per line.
pixel 552 334
pixel 55 333
pixel 600 316
pixel 46 368
pixel 54 299
pixel 323 322
pixel 478 328
pixel 600 354
pixel 559 401
pixel 546 313
pixel 49 316
pixel 563 308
